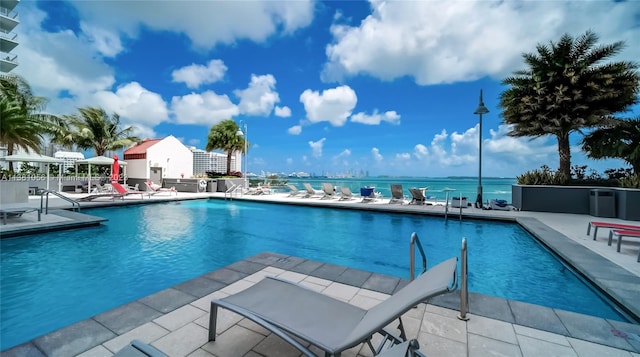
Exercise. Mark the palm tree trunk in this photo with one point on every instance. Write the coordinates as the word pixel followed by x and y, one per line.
pixel 10 152
pixel 564 150
pixel 228 162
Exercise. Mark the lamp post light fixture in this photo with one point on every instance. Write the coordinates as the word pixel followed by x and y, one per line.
pixel 480 110
pixel 244 133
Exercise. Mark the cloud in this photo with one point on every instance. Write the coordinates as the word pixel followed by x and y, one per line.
pixel 207 108
pixel 105 42
pixel 260 97
pixel 333 105
pixel 447 41
pixel 420 151
pixel 295 130
pixel 283 112
pixel 405 156
pixel 316 147
pixel 344 153
pixel 375 152
pixel 205 23
pixel 376 118
pixel 134 103
pixel 196 75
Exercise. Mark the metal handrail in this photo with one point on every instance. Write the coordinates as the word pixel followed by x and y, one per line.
pixel 464 292
pixel 231 190
pixel 44 191
pixel 412 259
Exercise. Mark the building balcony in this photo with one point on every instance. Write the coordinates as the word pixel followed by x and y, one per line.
pixel 8 41
pixel 8 5
pixel 7 62
pixel 8 20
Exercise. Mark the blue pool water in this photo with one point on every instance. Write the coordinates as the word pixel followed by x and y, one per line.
pixel 58 278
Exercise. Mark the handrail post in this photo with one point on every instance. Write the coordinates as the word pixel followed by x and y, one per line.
pixel 412 262
pixel 460 206
pixel 464 292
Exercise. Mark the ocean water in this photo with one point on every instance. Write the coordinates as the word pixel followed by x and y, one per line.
pixel 492 188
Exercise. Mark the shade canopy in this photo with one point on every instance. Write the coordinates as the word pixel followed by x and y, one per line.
pixel 31 157
pixel 100 160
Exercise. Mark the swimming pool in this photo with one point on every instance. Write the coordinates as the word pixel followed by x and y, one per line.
pixel 146 248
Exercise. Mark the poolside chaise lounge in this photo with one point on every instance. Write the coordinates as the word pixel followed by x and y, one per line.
pixel 598 224
pixel 397 196
pixel 369 194
pixel 294 312
pixel 619 233
pixel 93 196
pixel 155 188
pixel 16 212
pixel 310 191
pixel 138 348
pixel 418 197
pixel 345 193
pixel 329 191
pixel 126 192
pixel 499 205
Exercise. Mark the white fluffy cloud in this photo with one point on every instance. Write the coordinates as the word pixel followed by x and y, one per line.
pixel 376 118
pixel 207 24
pixel 105 42
pixel 135 103
pixel 316 147
pixel 449 41
pixel 260 97
pixel 375 152
pixel 196 75
pixel 332 105
pixel 283 112
pixel 203 109
pixel 295 130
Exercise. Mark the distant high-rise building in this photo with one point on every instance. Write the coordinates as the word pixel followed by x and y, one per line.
pixel 69 158
pixel 204 161
pixel 8 38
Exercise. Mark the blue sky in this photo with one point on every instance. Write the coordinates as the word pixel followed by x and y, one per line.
pixel 386 87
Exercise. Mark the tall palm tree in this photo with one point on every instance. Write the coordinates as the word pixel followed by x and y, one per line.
pixel 23 122
pixel 619 140
pixel 568 87
pixel 224 136
pixel 93 128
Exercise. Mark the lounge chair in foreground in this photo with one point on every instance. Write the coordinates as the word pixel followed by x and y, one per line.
pixel 7 212
pixel 369 194
pixel 345 193
pixel 418 197
pixel 619 233
pixel 155 188
pixel 139 349
pixel 294 312
pixel 329 191
pixel 397 196
pixel 93 196
pixel 597 224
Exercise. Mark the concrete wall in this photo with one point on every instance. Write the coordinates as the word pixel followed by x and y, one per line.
pixel 14 192
pixel 574 199
pixel 174 158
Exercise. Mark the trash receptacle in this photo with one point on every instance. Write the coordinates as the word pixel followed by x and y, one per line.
pixel 602 203
pixel 212 186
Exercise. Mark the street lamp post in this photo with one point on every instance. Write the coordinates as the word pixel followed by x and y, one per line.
pixel 480 110
pixel 246 163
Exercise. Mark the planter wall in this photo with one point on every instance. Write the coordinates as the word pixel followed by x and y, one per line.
pixel 573 199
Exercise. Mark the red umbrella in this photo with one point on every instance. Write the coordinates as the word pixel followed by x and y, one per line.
pixel 115 169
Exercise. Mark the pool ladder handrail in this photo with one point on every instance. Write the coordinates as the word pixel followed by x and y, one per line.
pixel 412 256
pixel 464 291
pixel 231 190
pixel 75 205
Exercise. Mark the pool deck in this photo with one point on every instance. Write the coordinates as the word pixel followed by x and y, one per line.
pixel 175 320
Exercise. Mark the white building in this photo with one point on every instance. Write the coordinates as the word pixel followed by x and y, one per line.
pixel 158 159
pixel 204 161
pixel 69 158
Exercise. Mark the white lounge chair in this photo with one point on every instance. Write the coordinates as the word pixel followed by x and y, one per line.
pixel 397 195
pixel 329 191
pixel 345 193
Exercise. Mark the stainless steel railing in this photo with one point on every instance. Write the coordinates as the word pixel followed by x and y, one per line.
pixel 464 292
pixel 44 203
pixel 412 255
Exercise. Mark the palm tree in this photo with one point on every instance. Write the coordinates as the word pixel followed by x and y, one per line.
pixel 23 123
pixel 619 140
pixel 94 129
pixel 567 88
pixel 224 136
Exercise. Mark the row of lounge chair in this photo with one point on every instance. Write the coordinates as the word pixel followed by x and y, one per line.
pixel 116 190
pixel 617 230
pixel 328 191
